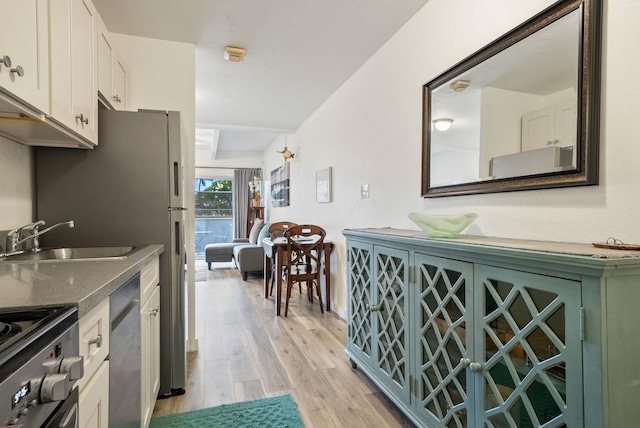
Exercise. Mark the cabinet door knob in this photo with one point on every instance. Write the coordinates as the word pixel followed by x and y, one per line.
pixel 97 341
pixel 18 70
pixel 155 311
pixel 465 362
pixel 476 367
pixel 83 119
pixel 375 308
pixel 6 60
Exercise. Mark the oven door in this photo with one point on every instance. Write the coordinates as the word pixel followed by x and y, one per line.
pixel 66 414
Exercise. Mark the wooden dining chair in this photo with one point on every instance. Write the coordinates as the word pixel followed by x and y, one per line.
pixel 304 260
pixel 276 230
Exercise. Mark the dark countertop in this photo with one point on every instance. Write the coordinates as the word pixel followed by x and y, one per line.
pixel 84 284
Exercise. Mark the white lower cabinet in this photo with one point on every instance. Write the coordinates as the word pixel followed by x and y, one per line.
pixel 94 400
pixel 94 385
pixel 461 335
pixel 149 339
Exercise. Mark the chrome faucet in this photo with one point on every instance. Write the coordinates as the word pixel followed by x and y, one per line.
pixel 23 234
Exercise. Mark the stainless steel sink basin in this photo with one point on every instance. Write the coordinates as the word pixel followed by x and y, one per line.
pixel 88 253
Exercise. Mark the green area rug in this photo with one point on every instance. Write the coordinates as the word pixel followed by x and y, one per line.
pixel 280 412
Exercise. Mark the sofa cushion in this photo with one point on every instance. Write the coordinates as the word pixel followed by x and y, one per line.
pixel 219 252
pixel 264 232
pixel 255 231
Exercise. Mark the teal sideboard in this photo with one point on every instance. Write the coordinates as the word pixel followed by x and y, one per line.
pixel 476 331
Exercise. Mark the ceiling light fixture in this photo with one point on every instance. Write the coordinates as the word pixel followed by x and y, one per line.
pixel 234 54
pixel 459 85
pixel 442 124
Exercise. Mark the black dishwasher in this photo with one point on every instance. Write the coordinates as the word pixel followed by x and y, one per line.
pixel 124 356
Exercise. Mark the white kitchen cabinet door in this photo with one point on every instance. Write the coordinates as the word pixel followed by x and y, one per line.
pixel 24 36
pixel 112 72
pixel 119 87
pixel 105 57
pixel 93 402
pixel 538 129
pixel 150 354
pixel 73 41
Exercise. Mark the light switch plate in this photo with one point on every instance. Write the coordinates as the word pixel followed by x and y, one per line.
pixel 364 191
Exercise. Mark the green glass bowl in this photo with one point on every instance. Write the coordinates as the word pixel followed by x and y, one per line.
pixel 443 226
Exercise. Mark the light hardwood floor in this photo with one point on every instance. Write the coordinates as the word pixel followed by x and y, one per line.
pixel 246 352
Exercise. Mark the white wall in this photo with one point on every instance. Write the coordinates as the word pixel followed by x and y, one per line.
pixel 369 131
pixel 16 185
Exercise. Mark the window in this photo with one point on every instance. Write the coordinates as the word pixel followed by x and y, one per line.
pixel 213 212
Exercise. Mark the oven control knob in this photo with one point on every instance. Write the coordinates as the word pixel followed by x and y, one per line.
pixel 55 387
pixel 51 366
pixel 74 366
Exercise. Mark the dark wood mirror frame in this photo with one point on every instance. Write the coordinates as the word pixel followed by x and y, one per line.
pixel 588 106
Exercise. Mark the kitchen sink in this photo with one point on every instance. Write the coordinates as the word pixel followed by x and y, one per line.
pixel 88 253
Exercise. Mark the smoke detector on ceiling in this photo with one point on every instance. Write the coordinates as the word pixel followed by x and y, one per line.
pixel 233 54
pixel 459 85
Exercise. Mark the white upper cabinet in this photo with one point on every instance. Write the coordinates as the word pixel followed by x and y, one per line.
pixel 73 34
pixel 112 72
pixel 24 69
pixel 555 125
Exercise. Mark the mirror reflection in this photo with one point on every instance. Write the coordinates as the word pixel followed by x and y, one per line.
pixel 514 114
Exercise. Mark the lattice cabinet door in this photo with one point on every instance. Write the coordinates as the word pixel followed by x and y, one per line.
pixel 444 317
pixel 528 350
pixel 360 272
pixel 390 314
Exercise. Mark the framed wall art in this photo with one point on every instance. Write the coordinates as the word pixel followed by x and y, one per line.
pixel 280 186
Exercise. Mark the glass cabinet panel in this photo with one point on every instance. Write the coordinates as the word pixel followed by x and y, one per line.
pixel 444 290
pixel 530 334
pixel 390 315
pixel 360 298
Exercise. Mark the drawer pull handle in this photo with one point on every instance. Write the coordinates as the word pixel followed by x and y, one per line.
pixel 6 60
pixel 97 341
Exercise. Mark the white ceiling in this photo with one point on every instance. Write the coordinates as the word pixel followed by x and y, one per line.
pixel 298 52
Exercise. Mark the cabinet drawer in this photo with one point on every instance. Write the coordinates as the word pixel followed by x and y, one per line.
pixel 149 278
pixel 94 340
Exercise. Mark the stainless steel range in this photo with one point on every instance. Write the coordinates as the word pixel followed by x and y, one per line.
pixel 39 365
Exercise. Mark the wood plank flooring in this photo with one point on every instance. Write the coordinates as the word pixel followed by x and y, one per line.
pixel 246 352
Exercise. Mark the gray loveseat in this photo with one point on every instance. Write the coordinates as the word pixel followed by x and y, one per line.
pixel 247 253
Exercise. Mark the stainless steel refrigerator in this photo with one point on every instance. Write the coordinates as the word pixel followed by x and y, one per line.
pixel 127 191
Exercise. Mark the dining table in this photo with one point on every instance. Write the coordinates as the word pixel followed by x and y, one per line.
pixel 274 253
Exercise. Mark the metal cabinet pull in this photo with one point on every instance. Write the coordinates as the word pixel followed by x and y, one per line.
pixel 117 99
pixel 465 362
pixel 155 311
pixel 83 119
pixel 18 70
pixel 97 341
pixel 6 60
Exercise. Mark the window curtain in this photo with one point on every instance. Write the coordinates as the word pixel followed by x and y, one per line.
pixel 241 199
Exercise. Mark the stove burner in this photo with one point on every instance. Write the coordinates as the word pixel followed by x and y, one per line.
pixel 8 330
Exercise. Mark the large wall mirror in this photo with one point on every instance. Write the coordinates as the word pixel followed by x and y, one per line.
pixel 522 113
